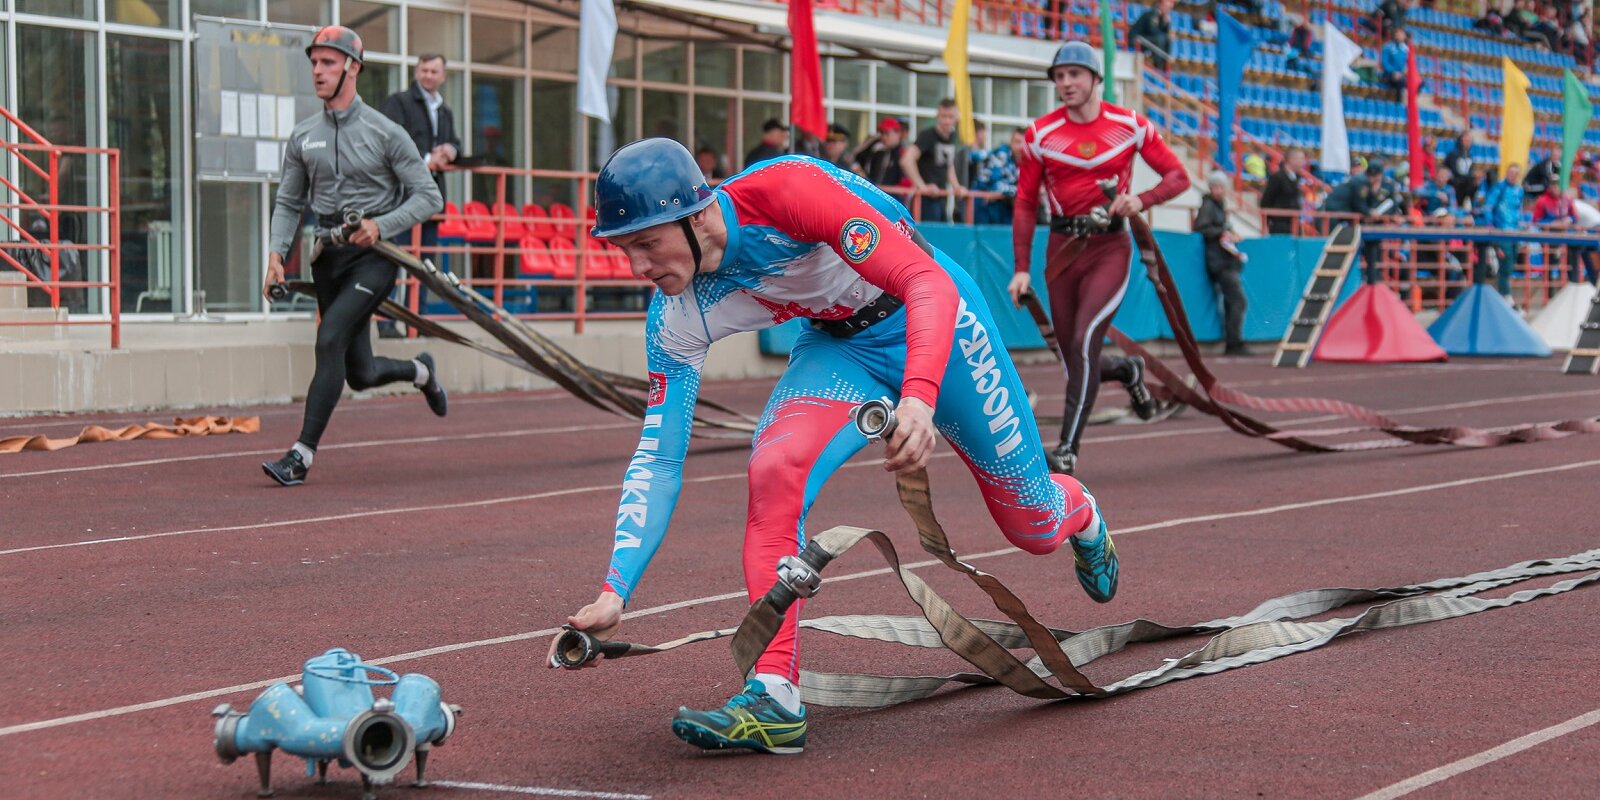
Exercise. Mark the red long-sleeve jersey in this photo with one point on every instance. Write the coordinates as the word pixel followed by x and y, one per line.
pixel 1070 158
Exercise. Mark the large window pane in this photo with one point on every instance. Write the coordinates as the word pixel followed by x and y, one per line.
pixel 497 131
pixel 499 41
pixel 756 113
pixel 665 62
pixel 62 64
pixel 713 128
pixel 143 113
pixel 852 80
pixel 713 65
pixel 894 86
pixel 1041 99
pixel 931 89
pixel 434 32
pixel 554 49
pixel 376 82
pixel 622 56
pixel 555 107
pixel 604 138
pixel 664 114
pixel 228 250
pixel 299 12
pixel 980 96
pixel 1008 97
pixel 232 9
pixel 763 70
pixel 154 13
pixel 77 9
pixel 378 25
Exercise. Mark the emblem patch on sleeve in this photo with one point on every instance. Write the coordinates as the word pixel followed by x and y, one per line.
pixel 658 388
pixel 858 239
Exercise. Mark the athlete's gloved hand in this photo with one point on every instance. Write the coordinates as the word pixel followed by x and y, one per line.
pixel 911 445
pixel 274 274
pixel 1126 205
pixel 1021 284
pixel 366 235
pixel 599 619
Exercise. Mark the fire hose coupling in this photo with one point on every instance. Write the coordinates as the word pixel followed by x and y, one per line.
pixel 575 648
pixel 799 576
pixel 279 292
pixel 351 219
pixel 332 716
pixel 874 419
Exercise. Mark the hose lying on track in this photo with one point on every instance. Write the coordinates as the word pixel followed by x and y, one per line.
pixel 182 427
pixel 1271 630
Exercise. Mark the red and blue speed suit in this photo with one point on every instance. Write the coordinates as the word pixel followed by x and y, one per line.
pixel 806 239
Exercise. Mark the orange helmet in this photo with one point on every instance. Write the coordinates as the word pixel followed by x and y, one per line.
pixel 340 38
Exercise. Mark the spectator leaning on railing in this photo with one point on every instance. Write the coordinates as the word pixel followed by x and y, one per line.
pixel 1557 210
pixel 878 158
pixel 1283 192
pixel 995 171
pixel 1503 204
pixel 1151 34
pixel 1224 263
pixel 930 163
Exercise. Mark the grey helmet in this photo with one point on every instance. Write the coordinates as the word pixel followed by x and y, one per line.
pixel 1078 54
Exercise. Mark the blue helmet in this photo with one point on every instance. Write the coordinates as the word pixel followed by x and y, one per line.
pixel 1077 54
pixel 647 183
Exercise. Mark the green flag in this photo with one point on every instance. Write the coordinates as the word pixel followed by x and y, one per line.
pixel 1576 111
pixel 1108 46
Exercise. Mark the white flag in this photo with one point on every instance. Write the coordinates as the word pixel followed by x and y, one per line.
pixel 597 31
pixel 1338 53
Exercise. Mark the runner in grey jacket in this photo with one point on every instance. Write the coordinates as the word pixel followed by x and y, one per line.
pixel 348 157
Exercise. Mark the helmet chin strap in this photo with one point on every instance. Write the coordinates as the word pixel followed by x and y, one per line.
pixel 694 243
pixel 343 75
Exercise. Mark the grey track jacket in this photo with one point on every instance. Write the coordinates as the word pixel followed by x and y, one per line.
pixel 355 158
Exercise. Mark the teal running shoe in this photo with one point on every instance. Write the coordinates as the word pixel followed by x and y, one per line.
pixel 751 720
pixel 1096 565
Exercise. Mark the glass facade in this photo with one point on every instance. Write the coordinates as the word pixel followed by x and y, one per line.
pixel 511 84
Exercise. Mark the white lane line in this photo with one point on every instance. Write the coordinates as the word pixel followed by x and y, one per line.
pixel 741 595
pixel 459 437
pixel 1489 756
pixel 541 791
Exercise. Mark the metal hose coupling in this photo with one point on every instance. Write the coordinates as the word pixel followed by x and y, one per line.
pixel 799 576
pixel 351 219
pixel 874 419
pixel 574 648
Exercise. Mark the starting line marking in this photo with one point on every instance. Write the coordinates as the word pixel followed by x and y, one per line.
pixel 1484 758
pixel 542 791
pixel 738 595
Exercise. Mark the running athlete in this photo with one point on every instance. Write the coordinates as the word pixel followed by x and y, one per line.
pixel 349 157
pixel 1071 149
pixel 890 316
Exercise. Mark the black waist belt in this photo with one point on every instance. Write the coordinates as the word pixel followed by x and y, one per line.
pixel 327 221
pixel 867 316
pixel 1084 225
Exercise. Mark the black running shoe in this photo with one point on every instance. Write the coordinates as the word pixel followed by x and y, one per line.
pixel 1062 460
pixel 288 471
pixel 1144 406
pixel 438 400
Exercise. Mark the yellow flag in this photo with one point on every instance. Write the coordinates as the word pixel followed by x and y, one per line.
pixel 955 60
pixel 1516 122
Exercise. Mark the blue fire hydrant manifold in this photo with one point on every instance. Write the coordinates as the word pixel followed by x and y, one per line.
pixel 332 716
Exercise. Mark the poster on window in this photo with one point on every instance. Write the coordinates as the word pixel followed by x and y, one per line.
pixel 251 87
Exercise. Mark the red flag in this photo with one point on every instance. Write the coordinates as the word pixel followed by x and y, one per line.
pixel 805 72
pixel 1413 118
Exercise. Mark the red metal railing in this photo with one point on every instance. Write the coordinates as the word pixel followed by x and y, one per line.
pixel 50 210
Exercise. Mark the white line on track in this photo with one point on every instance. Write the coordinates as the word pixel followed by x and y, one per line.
pixel 1486 757
pixel 541 791
pixel 740 595
pixel 458 437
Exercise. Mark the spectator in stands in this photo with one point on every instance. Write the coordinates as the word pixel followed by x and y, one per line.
pixel 1557 210
pixel 995 171
pixel 1459 162
pixel 1521 19
pixel 1224 263
pixel 1302 44
pixel 37 261
pixel 1390 14
pixel 1577 38
pixel 1354 196
pixel 930 163
pixel 422 113
pixel 1255 169
pixel 1492 22
pixel 1541 176
pixel 1430 158
pixel 1392 60
pixel 1438 196
pixel 774 141
pixel 836 149
pixel 878 158
pixel 1283 193
pixel 1548 29
pixel 710 165
pixel 1151 34
pixel 1503 205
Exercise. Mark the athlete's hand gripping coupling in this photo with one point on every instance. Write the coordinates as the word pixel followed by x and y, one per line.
pixel 586 638
pixel 907 429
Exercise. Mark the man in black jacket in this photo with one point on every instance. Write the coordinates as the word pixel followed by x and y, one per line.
pixel 1283 194
pixel 422 113
pixel 1459 161
pixel 1224 264
pixel 1152 34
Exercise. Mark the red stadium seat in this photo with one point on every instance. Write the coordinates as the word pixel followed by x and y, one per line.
pixel 513 220
pixel 536 258
pixel 536 219
pixel 562 218
pixel 453 226
pixel 480 228
pixel 565 258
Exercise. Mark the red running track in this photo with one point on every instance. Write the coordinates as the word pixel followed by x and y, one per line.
pixel 142 583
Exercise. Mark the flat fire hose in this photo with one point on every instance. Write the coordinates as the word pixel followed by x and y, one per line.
pixel 1214 398
pixel 1270 631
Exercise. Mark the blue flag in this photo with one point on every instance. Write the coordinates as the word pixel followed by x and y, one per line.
pixel 1234 45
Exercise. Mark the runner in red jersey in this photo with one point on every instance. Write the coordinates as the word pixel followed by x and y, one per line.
pixel 1070 150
